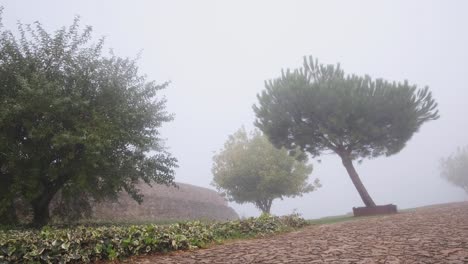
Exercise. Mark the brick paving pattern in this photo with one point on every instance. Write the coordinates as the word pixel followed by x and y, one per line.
pixel 437 234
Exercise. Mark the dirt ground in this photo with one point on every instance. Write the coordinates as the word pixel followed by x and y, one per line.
pixel 436 234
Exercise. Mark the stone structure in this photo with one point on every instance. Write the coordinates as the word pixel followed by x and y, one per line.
pixel 375 210
pixel 160 202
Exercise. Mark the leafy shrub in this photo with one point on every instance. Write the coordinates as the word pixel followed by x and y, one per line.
pixel 85 244
pixel 293 220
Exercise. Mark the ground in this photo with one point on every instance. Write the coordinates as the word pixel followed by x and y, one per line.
pixel 436 234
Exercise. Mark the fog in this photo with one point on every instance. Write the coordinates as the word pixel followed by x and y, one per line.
pixel 217 55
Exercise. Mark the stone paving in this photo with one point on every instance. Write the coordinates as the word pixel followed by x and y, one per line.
pixel 436 234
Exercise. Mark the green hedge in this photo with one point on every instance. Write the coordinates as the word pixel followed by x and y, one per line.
pixel 86 244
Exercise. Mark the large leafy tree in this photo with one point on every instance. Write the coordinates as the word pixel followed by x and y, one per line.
pixel 252 170
pixel 319 109
pixel 74 121
pixel 455 168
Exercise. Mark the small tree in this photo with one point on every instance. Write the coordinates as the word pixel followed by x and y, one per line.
pixel 455 168
pixel 74 121
pixel 252 170
pixel 318 108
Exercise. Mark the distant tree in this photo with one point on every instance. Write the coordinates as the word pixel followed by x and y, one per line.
pixel 318 108
pixel 75 121
pixel 455 168
pixel 252 170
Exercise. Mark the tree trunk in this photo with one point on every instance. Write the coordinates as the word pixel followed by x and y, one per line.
pixel 40 214
pixel 348 163
pixel 264 205
pixel 268 206
pixel 7 209
pixel 40 205
pixel 8 216
pixel 40 208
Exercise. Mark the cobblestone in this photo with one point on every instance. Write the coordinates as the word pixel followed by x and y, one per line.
pixel 436 234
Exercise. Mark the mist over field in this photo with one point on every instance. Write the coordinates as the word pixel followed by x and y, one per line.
pixel 217 55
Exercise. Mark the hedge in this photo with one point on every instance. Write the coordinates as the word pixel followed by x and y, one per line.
pixel 86 244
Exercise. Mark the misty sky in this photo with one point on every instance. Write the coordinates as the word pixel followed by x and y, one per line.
pixel 217 55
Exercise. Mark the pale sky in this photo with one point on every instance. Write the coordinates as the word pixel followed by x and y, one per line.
pixel 217 55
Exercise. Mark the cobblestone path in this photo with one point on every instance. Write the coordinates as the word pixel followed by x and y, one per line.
pixel 437 234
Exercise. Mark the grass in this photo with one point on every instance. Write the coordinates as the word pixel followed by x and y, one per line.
pixel 345 218
pixel 331 219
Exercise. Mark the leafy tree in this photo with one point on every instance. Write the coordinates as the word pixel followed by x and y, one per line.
pixel 75 121
pixel 318 109
pixel 252 170
pixel 455 168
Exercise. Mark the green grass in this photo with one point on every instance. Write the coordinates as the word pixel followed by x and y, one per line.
pixel 345 218
pixel 331 219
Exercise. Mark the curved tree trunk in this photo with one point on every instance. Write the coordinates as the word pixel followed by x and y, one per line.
pixel 348 163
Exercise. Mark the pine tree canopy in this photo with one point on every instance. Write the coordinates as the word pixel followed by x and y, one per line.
pixel 319 108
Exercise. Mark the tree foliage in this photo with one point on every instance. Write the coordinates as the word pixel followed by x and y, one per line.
pixel 74 120
pixel 455 168
pixel 252 170
pixel 318 108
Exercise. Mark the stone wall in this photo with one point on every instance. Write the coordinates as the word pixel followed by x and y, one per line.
pixel 167 203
